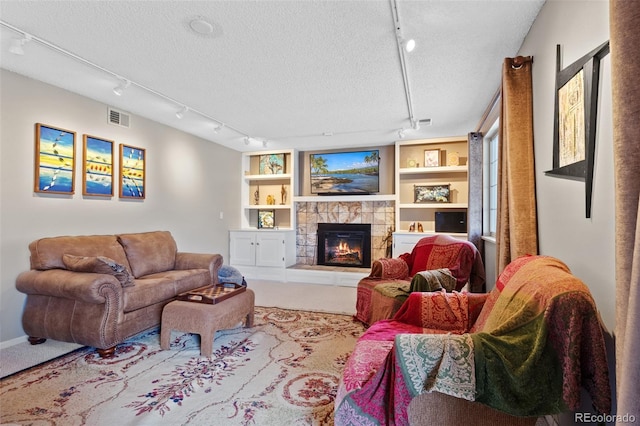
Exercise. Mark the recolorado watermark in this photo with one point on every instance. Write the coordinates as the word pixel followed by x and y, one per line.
pixel 603 418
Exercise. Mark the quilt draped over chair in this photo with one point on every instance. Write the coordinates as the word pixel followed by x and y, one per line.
pixel 380 295
pixel 525 349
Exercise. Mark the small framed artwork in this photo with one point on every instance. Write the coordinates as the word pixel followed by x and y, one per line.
pixel 575 119
pixel 431 157
pixel 55 160
pixel 97 163
pixel 272 164
pixel 431 193
pixel 266 219
pixel 132 172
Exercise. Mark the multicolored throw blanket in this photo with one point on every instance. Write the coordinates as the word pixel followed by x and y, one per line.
pixel 538 342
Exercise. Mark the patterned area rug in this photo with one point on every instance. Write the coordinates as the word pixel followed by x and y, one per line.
pixel 282 371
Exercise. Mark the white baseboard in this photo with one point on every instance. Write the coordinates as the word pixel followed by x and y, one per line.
pixel 13 342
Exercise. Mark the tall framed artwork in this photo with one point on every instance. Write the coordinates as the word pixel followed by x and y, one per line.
pixel 97 166
pixel 575 118
pixel 55 161
pixel 132 172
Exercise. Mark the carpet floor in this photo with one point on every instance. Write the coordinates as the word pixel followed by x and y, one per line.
pixel 283 371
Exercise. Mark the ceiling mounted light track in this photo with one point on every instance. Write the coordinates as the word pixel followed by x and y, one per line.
pixel 16 48
pixel 404 46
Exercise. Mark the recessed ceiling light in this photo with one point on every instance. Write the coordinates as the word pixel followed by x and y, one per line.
pixel 200 26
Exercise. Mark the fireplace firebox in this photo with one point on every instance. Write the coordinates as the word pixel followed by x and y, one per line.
pixel 344 244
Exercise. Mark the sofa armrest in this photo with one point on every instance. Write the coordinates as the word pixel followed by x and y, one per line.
pixel 436 310
pixel 394 268
pixel 212 262
pixel 85 286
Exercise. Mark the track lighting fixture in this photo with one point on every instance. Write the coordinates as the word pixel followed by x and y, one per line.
pixel 120 88
pixel 264 143
pixel 218 128
pixel 401 133
pixel 409 45
pixel 246 140
pixel 17 43
pixel 182 112
pixel 415 124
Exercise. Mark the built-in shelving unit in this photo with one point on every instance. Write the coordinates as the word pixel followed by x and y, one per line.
pixel 449 159
pixel 262 184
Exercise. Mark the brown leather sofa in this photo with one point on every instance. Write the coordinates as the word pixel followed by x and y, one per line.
pixel 99 290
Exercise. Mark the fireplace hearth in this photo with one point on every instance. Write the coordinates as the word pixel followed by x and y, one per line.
pixel 344 244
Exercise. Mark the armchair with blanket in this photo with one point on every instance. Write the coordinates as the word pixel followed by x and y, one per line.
pixel 435 261
pixel 504 358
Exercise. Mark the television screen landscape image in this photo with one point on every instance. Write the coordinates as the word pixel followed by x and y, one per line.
pixel 355 172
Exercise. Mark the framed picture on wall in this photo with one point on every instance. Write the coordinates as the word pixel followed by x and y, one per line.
pixel 575 119
pixel 55 160
pixel 132 172
pixel 97 166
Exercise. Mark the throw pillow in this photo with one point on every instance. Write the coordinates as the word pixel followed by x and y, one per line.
pixel 98 265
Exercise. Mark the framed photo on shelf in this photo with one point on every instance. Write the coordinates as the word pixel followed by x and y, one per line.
pixel 266 219
pixel 272 164
pixel 132 172
pixel 55 160
pixel 431 157
pixel 97 167
pixel 431 193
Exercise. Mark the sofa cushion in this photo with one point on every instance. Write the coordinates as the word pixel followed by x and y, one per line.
pixel 163 286
pixel 149 252
pixel 46 253
pixel 98 265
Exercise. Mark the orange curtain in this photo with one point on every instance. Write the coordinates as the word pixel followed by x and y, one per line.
pixel 517 231
pixel 624 19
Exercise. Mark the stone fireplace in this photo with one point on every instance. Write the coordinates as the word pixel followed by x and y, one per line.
pixel 379 214
pixel 344 244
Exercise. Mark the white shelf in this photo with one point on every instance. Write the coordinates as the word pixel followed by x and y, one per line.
pixel 268 206
pixel 285 176
pixel 432 170
pixel 321 198
pixel 433 206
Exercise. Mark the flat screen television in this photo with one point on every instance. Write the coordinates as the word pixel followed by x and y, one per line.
pixel 341 173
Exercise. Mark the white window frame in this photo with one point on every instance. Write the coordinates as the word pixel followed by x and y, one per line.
pixel 490 180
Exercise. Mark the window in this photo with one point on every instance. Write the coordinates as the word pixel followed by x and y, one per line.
pixel 490 174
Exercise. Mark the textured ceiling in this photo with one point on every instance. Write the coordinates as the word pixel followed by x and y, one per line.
pixel 284 71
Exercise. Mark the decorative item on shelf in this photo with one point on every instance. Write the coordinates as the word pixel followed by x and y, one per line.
pixel 453 159
pixel 271 200
pixel 272 164
pixel 411 162
pixel 412 227
pixel 431 193
pixel 283 195
pixel 431 157
pixel 420 228
pixel 256 196
pixel 266 219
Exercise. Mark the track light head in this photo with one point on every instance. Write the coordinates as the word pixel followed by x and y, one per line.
pixel 120 88
pixel 264 143
pixel 246 141
pixel 401 133
pixel 181 112
pixel 415 124
pixel 18 43
pixel 218 128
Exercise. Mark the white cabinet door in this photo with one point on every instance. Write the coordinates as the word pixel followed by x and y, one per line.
pixel 242 248
pixel 269 249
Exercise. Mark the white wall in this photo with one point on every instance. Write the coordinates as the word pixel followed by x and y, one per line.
pixel 585 245
pixel 189 182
